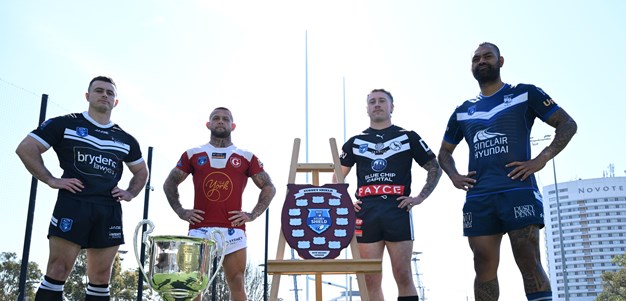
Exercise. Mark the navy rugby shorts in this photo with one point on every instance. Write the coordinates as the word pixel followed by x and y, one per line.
pixel 381 219
pixel 502 212
pixel 90 225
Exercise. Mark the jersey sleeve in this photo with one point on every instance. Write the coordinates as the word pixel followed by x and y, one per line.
pixel 50 132
pixel 256 166
pixel 134 155
pixel 453 133
pixel 419 149
pixel 184 163
pixel 346 158
pixel 541 103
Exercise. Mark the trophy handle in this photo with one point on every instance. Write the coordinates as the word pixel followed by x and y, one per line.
pixel 144 241
pixel 221 251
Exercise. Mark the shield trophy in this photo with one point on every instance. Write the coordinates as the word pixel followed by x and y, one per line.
pixel 179 268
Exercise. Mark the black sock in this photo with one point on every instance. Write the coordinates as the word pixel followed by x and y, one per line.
pixel 50 290
pixel 97 292
pixel 409 298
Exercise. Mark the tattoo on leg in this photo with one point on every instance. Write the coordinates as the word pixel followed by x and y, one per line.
pixel 486 291
pixel 525 244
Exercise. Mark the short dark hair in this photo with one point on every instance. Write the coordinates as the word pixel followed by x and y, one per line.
pixel 222 108
pixel 492 45
pixel 382 90
pixel 102 79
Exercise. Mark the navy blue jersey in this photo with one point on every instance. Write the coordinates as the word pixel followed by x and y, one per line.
pixel 90 152
pixel 497 130
pixel 384 159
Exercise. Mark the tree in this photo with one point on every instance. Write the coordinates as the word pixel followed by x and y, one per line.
pixel 10 269
pixel 614 283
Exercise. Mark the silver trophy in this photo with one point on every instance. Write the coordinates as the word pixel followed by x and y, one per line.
pixel 179 267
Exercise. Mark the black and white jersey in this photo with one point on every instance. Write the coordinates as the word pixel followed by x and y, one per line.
pixel 90 152
pixel 384 159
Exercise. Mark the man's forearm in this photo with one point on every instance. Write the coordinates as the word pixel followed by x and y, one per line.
pixel 432 178
pixel 137 183
pixel 265 198
pixel 447 163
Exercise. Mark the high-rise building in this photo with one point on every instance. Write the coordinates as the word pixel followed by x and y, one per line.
pixel 589 218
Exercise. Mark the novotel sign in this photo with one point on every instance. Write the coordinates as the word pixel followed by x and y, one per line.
pixel 604 188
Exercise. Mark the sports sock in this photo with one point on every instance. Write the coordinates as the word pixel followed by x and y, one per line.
pixel 50 290
pixel 97 292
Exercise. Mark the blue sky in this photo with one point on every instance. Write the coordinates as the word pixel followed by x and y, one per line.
pixel 174 61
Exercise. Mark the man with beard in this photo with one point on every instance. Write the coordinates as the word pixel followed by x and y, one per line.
pixel 220 173
pixel 502 194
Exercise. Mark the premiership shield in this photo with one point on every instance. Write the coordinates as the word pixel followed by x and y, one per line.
pixel 318 221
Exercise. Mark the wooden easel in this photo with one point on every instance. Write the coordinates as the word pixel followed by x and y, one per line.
pixel 319 267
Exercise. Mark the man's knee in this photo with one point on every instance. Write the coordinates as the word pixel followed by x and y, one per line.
pixel 60 270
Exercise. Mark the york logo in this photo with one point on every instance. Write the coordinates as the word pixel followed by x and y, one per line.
pixel 524 211
pixel 217 187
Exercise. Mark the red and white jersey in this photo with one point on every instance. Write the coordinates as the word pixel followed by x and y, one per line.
pixel 220 176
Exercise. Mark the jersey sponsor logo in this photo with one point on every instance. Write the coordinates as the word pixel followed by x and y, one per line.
pixel 358 232
pixel 82 132
pixel 374 190
pixel 231 231
pixel 524 211
pixel 201 160
pixel 92 161
pixel 236 162
pixel 66 224
pixel 115 234
pixel 218 155
pixel 487 143
pixel 379 164
pixel 467 220
pixel 318 221
pixel 548 102
pixel 102 132
pixel 424 145
pixel 217 187
pixel 363 148
pixel 395 145
pixel 381 136
pixel 380 177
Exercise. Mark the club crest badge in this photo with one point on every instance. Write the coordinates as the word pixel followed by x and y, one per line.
pixel 65 224
pixel 81 131
pixel 471 110
pixel 318 221
pixel 202 160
